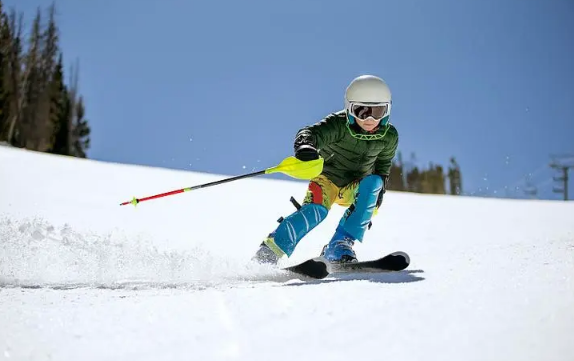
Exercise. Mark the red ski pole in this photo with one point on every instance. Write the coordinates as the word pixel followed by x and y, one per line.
pixel 291 166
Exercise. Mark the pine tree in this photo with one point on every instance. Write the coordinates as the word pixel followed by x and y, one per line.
pixel 439 180
pixel 81 131
pixel 432 180
pixel 30 125
pixel 454 176
pixel 48 87
pixel 425 177
pixel 38 110
pixel 14 73
pixel 4 94
pixel 59 111
pixel 414 180
pixel 396 179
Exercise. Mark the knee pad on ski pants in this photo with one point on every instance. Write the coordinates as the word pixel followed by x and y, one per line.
pixel 295 226
pixel 356 219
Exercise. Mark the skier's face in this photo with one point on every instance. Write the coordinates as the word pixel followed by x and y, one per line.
pixel 368 116
pixel 368 124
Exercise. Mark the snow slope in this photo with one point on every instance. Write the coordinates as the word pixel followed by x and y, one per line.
pixel 82 278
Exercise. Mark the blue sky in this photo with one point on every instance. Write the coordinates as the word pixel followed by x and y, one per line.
pixel 223 86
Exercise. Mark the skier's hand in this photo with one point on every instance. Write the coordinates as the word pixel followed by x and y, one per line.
pixel 381 194
pixel 306 153
pixel 379 202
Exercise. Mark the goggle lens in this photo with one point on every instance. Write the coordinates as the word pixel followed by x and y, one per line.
pixel 362 111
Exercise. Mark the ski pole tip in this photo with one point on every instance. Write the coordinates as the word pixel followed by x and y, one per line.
pixel 134 201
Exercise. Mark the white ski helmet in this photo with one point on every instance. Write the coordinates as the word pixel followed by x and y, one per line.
pixel 368 91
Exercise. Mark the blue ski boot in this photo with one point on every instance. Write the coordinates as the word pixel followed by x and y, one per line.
pixel 340 248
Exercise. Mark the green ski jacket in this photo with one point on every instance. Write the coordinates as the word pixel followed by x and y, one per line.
pixel 350 153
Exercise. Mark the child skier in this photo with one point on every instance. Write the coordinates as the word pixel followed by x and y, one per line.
pixel 358 144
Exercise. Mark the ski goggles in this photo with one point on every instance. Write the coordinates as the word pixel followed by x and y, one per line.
pixel 362 111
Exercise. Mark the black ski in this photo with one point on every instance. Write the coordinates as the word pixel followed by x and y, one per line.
pixel 396 261
pixel 320 268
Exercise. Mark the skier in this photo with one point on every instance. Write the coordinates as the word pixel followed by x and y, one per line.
pixel 358 144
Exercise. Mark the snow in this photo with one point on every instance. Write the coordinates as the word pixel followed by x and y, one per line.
pixel 82 278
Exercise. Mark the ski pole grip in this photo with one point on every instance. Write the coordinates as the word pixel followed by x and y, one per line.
pixel 295 203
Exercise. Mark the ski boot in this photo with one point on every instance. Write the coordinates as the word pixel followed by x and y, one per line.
pixel 266 254
pixel 340 248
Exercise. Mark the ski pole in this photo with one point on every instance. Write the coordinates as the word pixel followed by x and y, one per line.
pixel 290 166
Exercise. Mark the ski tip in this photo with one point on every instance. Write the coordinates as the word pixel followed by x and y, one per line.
pixel 398 261
pixel 404 255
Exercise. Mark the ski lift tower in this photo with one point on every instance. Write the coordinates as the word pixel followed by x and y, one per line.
pixel 562 163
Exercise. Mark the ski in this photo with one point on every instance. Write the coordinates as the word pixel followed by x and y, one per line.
pixel 319 267
pixel 396 261
pixel 314 268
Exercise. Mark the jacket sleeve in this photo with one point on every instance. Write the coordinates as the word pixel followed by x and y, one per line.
pixel 318 135
pixel 385 158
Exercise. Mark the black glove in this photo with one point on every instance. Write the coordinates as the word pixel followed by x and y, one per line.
pixel 383 190
pixel 306 153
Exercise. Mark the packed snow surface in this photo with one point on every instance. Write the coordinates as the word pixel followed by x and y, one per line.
pixel 82 278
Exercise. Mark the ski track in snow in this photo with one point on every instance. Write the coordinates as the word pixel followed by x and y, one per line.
pixel 82 278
